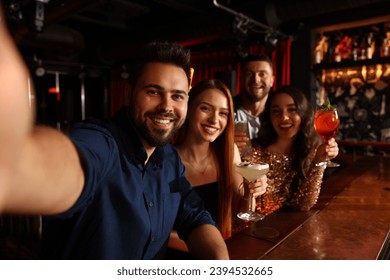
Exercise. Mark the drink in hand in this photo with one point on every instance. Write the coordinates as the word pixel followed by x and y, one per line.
pixel 251 171
pixel 326 123
pixel 242 126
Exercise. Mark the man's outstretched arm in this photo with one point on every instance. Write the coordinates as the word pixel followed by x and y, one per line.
pixel 40 170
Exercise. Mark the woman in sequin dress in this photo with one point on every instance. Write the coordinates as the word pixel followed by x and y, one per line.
pixel 206 146
pixel 288 142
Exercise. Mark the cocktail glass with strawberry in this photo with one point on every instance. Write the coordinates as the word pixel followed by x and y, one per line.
pixel 326 123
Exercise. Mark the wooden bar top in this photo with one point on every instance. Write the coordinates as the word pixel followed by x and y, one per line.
pixel 384 145
pixel 350 220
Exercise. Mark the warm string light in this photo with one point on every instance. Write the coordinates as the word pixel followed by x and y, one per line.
pixel 379 71
pixel 364 72
pixel 368 74
pixel 191 76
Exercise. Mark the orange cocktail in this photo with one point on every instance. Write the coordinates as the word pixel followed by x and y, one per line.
pixel 326 123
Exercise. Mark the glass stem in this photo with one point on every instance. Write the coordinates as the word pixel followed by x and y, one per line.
pixel 251 202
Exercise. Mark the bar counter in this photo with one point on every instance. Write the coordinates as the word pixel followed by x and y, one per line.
pixel 351 220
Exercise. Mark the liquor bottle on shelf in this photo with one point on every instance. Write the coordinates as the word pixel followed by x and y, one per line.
pixel 343 49
pixel 370 46
pixel 320 49
pixel 329 56
pixel 355 50
pixel 363 48
pixel 385 48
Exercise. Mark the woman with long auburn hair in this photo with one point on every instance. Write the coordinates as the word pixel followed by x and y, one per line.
pixel 206 146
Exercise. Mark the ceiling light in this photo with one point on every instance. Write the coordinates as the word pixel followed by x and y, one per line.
pixel 40 71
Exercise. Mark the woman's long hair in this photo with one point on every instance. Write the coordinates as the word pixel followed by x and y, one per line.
pixel 223 148
pixel 306 139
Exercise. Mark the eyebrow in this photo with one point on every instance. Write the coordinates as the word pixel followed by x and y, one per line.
pixel 288 105
pixel 221 108
pixel 258 71
pixel 158 87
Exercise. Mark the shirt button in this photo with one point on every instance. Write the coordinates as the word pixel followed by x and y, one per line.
pixel 152 238
pixel 151 204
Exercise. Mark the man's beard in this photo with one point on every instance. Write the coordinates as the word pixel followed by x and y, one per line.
pixel 158 136
pixel 255 97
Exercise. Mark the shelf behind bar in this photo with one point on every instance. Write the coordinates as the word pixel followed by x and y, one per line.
pixel 348 63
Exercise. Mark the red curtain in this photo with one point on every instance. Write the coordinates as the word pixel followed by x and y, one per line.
pixel 207 63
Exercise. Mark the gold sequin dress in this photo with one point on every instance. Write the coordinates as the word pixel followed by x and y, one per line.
pixel 280 178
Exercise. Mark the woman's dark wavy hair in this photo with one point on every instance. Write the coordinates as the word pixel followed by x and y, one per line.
pixel 306 140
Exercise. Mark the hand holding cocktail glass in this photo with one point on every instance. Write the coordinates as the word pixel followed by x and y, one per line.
pixel 327 123
pixel 251 171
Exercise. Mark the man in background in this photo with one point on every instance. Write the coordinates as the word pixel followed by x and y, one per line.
pixel 256 80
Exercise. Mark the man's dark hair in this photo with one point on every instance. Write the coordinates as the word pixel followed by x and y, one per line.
pixel 256 57
pixel 164 52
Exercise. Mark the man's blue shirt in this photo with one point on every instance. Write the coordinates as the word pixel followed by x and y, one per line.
pixel 126 210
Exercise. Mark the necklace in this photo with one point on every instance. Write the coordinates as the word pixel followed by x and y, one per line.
pixel 202 171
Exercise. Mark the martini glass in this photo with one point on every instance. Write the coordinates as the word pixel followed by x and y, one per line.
pixel 326 123
pixel 251 171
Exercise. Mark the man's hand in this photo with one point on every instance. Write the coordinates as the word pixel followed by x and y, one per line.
pixel 241 140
